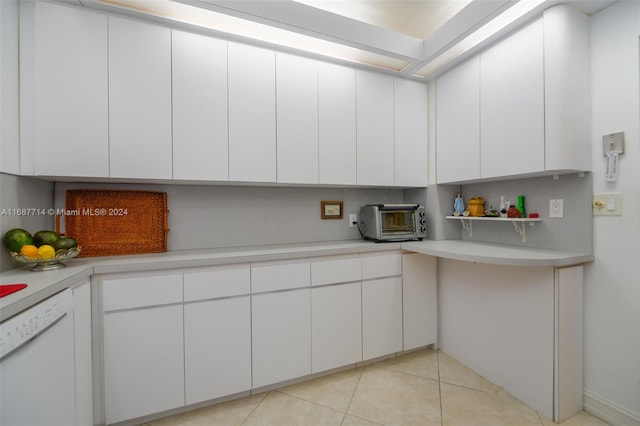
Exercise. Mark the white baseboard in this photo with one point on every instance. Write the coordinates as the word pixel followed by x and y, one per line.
pixel 608 411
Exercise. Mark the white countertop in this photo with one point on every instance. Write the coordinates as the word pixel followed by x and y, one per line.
pixel 495 254
pixel 43 284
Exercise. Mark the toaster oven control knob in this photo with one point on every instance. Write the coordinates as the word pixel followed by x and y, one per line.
pixel 421 213
pixel 422 221
pixel 423 229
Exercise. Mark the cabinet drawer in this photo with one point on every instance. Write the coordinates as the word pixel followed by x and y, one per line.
pixel 338 269
pixel 223 281
pixel 385 264
pixel 134 292
pixel 279 276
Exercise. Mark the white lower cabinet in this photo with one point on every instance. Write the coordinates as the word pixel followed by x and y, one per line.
pixel 143 345
pixel 381 317
pixel 144 362
pixel 381 304
pixel 336 326
pixel 217 346
pixel 83 353
pixel 419 300
pixel 217 332
pixel 179 338
pixel 336 312
pixel 281 336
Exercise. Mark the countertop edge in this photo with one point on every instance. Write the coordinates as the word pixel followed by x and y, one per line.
pixel 84 268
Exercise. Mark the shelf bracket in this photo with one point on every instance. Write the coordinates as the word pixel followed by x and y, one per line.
pixel 468 226
pixel 521 229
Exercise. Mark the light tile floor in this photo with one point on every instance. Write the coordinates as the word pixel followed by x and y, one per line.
pixel 421 388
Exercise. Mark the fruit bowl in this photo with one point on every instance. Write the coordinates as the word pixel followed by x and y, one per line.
pixel 48 264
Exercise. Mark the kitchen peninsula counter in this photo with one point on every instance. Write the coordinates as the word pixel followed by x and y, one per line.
pixel 46 283
pixel 496 254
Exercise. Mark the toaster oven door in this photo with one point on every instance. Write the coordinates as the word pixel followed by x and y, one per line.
pixel 397 223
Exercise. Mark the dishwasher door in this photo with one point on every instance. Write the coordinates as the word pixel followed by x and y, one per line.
pixel 37 376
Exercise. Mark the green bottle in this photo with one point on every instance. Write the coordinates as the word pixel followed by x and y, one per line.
pixel 523 212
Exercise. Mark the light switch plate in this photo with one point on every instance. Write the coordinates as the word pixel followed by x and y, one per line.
pixel 607 204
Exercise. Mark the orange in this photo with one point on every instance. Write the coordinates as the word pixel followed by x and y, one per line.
pixel 29 251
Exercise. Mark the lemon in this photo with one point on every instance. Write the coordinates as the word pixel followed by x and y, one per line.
pixel 45 251
pixel 29 251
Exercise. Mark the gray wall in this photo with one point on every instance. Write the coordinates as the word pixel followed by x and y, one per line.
pixel 230 216
pixel 572 233
pixel 23 193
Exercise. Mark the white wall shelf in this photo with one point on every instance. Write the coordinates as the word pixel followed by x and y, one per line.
pixel 518 223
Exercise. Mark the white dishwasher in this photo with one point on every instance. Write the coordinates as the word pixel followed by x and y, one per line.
pixel 37 373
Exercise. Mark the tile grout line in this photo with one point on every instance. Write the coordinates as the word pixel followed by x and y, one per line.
pixel 355 388
pixel 255 408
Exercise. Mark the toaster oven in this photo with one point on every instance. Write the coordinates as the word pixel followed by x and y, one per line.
pixel 392 222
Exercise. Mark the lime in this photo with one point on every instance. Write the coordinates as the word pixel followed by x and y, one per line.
pixel 65 243
pixel 15 238
pixel 45 251
pixel 45 237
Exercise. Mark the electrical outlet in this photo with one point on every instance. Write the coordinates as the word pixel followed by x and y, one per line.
pixel 556 208
pixel 353 220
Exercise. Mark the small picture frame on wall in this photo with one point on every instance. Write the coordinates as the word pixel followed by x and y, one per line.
pixel 331 209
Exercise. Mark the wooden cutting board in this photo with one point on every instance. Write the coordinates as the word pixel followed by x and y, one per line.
pixel 117 222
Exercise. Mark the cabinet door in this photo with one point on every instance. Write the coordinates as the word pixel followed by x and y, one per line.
pixel 281 336
pixel 199 88
pixel 139 100
pixel 83 356
pixel 337 124
pixel 217 346
pixel 381 317
pixel 419 301
pixel 512 105
pixel 14 145
pixel 566 89
pixel 374 112
pixel 252 114
pixel 336 326
pixel 70 92
pixel 143 362
pixel 410 104
pixel 458 123
pixel 297 123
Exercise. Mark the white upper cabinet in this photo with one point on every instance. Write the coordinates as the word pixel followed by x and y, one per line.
pixel 566 89
pixel 297 123
pixel 68 91
pixel 410 112
pixel 139 100
pixel 337 124
pixel 533 114
pixel 199 99
pixel 512 105
pixel 252 114
pixel 458 123
pixel 375 133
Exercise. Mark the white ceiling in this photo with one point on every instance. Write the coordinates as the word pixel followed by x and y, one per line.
pixel 415 18
pixel 401 36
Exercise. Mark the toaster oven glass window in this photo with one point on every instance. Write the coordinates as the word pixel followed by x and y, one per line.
pixel 398 222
